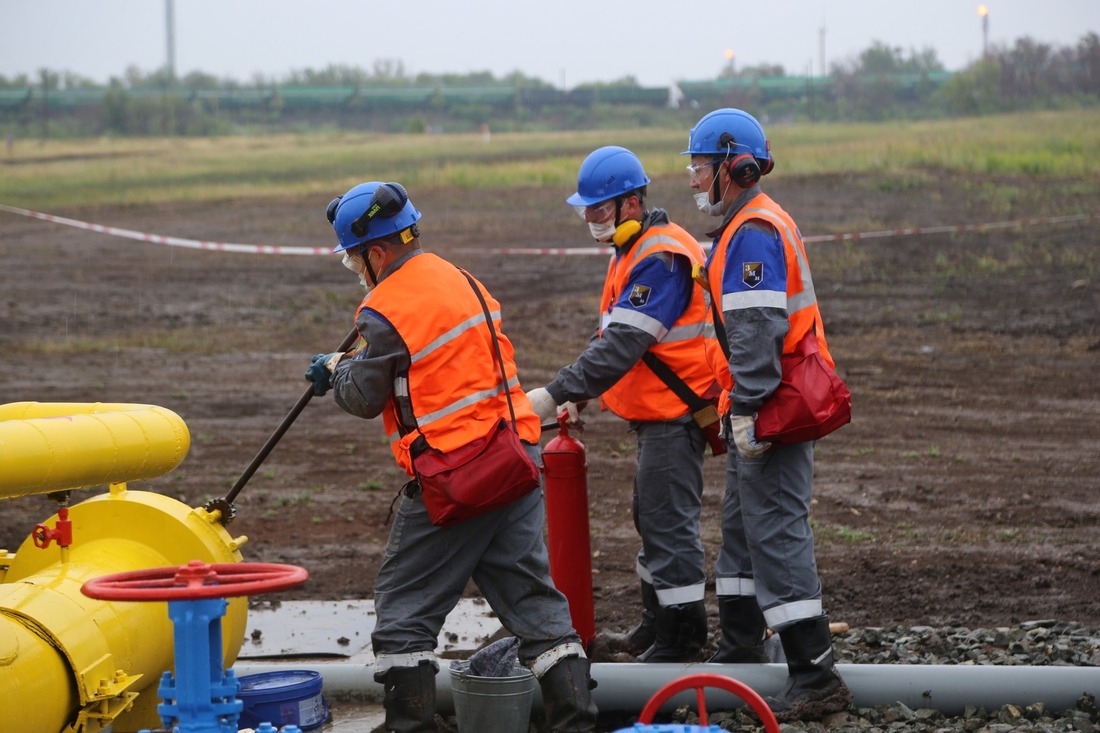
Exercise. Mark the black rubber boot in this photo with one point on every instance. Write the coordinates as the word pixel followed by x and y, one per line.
pixel 567 696
pixel 410 699
pixel 642 636
pixel 743 631
pixel 681 634
pixel 814 687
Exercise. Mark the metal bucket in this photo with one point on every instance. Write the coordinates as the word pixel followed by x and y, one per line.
pixel 492 704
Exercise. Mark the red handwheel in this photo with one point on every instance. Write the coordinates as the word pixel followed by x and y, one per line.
pixel 708 679
pixel 195 581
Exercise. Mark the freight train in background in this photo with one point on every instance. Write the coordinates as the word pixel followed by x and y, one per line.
pixel 518 104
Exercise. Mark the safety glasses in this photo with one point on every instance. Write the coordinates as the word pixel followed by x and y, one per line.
pixel 696 170
pixel 596 212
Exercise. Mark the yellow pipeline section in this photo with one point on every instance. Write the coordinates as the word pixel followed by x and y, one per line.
pixel 54 446
pixel 69 663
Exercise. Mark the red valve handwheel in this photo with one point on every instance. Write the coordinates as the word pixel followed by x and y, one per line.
pixel 195 581
pixel 707 679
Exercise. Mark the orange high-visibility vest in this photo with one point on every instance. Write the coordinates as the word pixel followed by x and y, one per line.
pixel 802 310
pixel 640 394
pixel 454 382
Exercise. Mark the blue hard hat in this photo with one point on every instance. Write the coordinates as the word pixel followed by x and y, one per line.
pixel 729 132
pixel 606 173
pixel 370 211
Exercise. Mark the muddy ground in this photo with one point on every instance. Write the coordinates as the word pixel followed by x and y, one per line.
pixel 964 492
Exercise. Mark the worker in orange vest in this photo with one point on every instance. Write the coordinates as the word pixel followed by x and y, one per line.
pixel 653 320
pixel 426 363
pixel 759 279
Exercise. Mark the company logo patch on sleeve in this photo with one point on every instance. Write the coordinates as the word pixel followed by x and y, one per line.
pixel 639 296
pixel 752 273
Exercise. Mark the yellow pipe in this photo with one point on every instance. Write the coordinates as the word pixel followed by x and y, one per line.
pixel 57 446
pixel 69 663
pixel 96 640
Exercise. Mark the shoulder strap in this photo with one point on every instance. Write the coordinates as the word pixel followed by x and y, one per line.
pixel 673 381
pixel 496 347
pixel 719 327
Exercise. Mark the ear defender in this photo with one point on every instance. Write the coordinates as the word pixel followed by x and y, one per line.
pixel 386 201
pixel 330 212
pixel 625 231
pixel 744 170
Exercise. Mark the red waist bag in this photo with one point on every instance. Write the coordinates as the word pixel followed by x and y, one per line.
pixel 810 402
pixel 481 476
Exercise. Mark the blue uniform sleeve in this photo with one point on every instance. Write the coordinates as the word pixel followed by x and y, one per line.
pixel 756 271
pixel 754 306
pixel 657 293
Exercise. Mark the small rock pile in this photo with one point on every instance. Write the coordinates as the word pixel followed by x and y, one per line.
pixel 1040 643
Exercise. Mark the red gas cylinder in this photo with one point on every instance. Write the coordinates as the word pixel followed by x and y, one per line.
pixel 565 470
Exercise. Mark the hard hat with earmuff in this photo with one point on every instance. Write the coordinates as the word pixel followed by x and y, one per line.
pixel 370 211
pixel 738 137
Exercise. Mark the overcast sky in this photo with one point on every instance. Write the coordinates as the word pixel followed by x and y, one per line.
pixel 563 42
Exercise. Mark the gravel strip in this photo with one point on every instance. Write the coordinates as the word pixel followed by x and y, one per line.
pixel 1040 643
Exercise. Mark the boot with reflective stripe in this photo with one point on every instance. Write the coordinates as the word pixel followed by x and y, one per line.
pixel 567 696
pixel 681 634
pixel 642 636
pixel 743 631
pixel 814 687
pixel 409 699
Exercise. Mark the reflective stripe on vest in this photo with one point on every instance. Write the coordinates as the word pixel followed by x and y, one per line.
pixel 453 382
pixel 800 301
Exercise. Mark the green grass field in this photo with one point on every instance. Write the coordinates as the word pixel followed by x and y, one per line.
pixel 51 176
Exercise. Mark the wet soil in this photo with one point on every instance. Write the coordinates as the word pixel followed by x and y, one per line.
pixel 964 492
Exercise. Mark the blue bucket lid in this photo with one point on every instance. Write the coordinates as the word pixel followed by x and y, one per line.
pixel 280 684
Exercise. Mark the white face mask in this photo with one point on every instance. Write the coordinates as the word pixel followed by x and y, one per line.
pixel 603 231
pixel 702 200
pixel 358 265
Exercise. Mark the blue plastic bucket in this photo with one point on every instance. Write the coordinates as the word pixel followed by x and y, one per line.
pixel 283 698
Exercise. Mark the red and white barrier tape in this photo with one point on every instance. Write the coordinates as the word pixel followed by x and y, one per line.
pixel 912 231
pixel 950 229
pixel 263 249
pixel 268 249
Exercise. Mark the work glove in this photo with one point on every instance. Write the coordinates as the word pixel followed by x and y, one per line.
pixel 743 428
pixel 320 371
pixel 573 411
pixel 544 405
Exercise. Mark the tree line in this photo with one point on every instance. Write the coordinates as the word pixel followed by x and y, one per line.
pixel 880 83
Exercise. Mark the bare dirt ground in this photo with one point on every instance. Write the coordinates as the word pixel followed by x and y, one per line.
pixel 964 492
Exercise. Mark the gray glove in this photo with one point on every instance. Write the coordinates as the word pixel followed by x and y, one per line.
pixel 544 405
pixel 744 436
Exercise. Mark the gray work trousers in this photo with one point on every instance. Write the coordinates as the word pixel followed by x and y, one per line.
pixel 767 544
pixel 667 502
pixel 426 568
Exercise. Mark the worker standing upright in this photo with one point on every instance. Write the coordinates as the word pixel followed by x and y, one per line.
pixel 652 317
pixel 759 279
